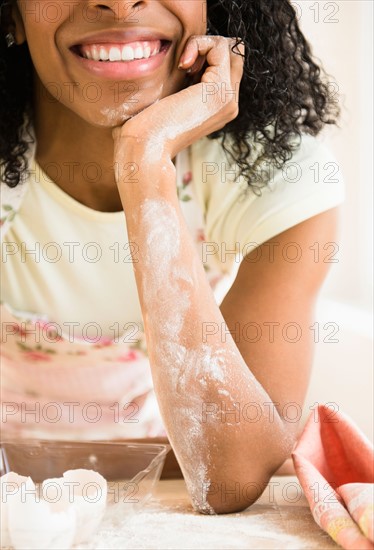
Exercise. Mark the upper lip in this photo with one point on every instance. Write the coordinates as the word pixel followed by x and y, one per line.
pixel 120 36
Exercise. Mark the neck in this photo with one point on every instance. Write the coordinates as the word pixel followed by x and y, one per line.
pixel 77 156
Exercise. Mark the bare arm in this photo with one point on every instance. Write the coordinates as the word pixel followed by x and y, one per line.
pixel 209 387
pixel 198 380
pixel 191 377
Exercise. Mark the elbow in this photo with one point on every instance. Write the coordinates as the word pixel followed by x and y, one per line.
pixel 229 497
pixel 231 492
pixel 237 488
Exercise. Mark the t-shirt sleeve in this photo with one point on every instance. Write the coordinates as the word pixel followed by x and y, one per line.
pixel 311 182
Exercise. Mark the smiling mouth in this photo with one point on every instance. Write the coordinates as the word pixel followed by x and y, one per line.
pixel 117 52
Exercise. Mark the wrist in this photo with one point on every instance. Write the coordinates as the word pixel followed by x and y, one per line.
pixel 142 161
pixel 133 147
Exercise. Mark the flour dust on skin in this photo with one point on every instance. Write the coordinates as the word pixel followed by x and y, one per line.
pixel 111 115
pixel 124 111
pixel 167 291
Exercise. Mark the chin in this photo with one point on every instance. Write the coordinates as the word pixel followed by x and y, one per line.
pixel 111 116
pixel 107 117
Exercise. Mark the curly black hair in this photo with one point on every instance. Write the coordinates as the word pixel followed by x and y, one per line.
pixel 283 91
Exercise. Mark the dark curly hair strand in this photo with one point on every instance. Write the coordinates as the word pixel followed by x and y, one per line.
pixel 16 93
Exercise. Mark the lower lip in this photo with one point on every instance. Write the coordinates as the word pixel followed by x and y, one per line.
pixel 123 70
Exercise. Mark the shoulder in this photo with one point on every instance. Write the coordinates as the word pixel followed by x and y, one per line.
pixel 306 149
pixel 311 171
pixel 309 183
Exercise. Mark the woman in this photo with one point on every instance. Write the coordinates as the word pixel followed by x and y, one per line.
pixel 119 210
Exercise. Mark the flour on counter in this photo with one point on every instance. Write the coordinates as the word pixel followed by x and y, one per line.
pixel 179 528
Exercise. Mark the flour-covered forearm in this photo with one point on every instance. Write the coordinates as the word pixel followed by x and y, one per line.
pixel 195 378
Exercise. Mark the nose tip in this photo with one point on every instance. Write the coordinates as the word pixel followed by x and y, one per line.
pixel 117 5
pixel 124 9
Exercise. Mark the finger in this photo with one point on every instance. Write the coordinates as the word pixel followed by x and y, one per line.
pixel 191 49
pixel 199 45
pixel 216 53
pixel 197 65
pixel 214 48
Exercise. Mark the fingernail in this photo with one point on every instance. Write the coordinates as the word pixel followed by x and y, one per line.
pixel 186 60
pixel 184 63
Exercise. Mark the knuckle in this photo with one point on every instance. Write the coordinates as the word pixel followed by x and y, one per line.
pixel 220 40
pixel 232 109
pixel 204 38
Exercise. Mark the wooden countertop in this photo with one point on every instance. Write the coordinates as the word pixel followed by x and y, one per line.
pixel 280 519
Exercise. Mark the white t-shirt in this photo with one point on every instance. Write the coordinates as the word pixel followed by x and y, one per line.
pixel 73 263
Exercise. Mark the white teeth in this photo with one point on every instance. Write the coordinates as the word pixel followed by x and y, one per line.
pixel 104 55
pixel 138 54
pixel 115 54
pixel 127 53
pixel 95 54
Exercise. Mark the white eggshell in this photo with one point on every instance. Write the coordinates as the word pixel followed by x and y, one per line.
pixel 67 511
pixel 53 489
pixel 90 496
pixel 11 484
pixel 37 524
